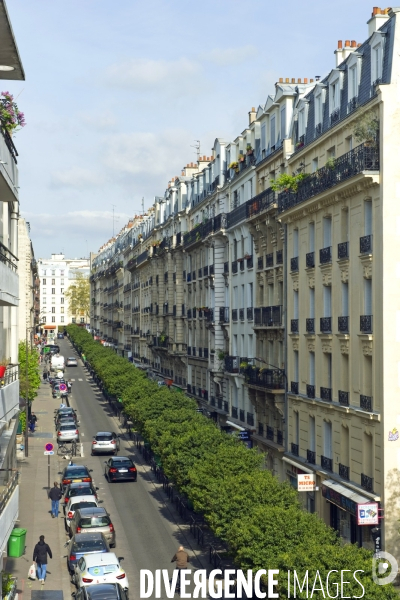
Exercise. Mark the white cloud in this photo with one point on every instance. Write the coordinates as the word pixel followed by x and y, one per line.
pixel 100 121
pixel 144 74
pixel 230 56
pixel 76 177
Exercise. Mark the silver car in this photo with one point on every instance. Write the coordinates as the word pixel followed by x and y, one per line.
pixel 71 362
pixel 67 432
pixel 105 442
pixel 93 520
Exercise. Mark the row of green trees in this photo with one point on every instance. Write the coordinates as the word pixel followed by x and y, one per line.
pixel 28 387
pixel 258 517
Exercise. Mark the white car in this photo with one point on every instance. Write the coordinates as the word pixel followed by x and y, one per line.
pixel 78 502
pixel 100 567
pixel 72 362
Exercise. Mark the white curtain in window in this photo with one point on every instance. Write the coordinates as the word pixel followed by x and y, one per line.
pixel 312 303
pixel 327 301
pixel 327 439
pixel 312 368
pixel 327 225
pixel 345 299
pixel 368 217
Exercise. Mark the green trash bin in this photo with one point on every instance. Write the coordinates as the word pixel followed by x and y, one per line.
pixel 16 542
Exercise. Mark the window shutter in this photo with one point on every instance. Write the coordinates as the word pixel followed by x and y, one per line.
pixel 327 301
pixel 368 217
pixel 311 431
pixel 283 122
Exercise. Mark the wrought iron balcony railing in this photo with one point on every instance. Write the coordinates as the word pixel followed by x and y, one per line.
pixel 344 472
pixel 224 314
pixel 310 325
pixel 310 260
pixel 311 457
pixel 270 433
pixel 226 268
pixel 325 255
pixel 294 326
pixel 279 437
pixel 294 387
pixel 294 449
pixel 249 312
pixel 352 163
pixel 241 314
pixel 366 244
pixel 366 323
pixel 366 402
pixel 269 260
pixel 250 419
pixel 326 463
pixel 241 415
pixel 279 257
pixel 272 379
pixel 310 391
pixel 234 412
pixel 367 482
pixel 260 263
pixel 268 316
pixel 294 264
pixel 343 398
pixel 343 324
pixel 234 314
pixel 325 324
pixel 232 364
pixel 326 394
pixel 343 250
pixel 234 267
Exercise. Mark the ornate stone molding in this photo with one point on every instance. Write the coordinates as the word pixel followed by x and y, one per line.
pixel 367 344
pixel 295 343
pixel 326 341
pixel 296 285
pixel 366 261
pixel 344 343
pixel 326 271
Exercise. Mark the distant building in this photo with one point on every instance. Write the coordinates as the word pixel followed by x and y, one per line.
pixel 56 275
pixel 28 309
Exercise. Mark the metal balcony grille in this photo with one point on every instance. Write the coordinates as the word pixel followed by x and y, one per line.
pixel 294 387
pixel 310 327
pixel 326 463
pixel 343 398
pixel 310 391
pixel 366 244
pixel 326 394
pixel 325 255
pixel 310 260
pixel 311 457
pixel 343 324
pixel 294 449
pixel 366 323
pixel 343 250
pixel 366 403
pixel 325 324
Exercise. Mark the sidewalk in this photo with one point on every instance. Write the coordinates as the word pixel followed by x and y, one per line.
pixel 34 509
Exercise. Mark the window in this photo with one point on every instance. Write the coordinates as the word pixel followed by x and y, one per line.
pixel 62 282
pixel 295 243
pixel 273 132
pixel 250 350
pixel 334 99
pixel 302 122
pixel 345 299
pixel 311 236
pixel 62 290
pixel 311 433
pixel 44 319
pixel 327 439
pixel 312 368
pixel 62 310
pixel 44 282
pixel 250 295
pixel 53 309
pixel 82 319
pixel 296 365
pixel 367 296
pixel 353 83
pixel 62 300
pixel 296 427
pixel 53 273
pixel 263 137
pixel 53 282
pixel 53 300
pixel 53 319
pixel 235 297
pixel 295 305
pixel 314 165
pixel 318 110
pixel 312 303
pixel 327 232
pixel 376 62
pixel 44 300
pixel 367 217
pixel 327 301
pixel 53 290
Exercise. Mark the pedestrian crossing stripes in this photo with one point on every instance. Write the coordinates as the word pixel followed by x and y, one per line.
pixel 80 379
pixel 72 379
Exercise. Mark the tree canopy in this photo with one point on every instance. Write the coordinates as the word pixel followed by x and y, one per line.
pixel 78 295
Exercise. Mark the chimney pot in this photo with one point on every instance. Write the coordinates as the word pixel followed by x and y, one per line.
pixel 280 79
pixel 293 80
pixel 375 11
pixel 358 45
pixel 340 44
pixel 353 44
pixel 311 80
pixel 253 109
pixel 347 43
pixel 287 80
pixel 305 79
pixel 299 80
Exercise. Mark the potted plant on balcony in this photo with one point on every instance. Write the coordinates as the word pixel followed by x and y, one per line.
pixel 221 354
pixel 287 183
pixel 234 165
pixel 366 129
pixel 10 116
pixel 4 362
pixel 247 256
pixel 249 150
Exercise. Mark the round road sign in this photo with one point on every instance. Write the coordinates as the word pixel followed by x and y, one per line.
pixel 63 387
pixel 49 447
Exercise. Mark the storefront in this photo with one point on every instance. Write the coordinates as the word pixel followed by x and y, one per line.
pixel 292 471
pixel 344 513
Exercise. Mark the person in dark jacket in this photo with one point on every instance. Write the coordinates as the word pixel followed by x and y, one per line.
pixel 181 558
pixel 55 495
pixel 40 553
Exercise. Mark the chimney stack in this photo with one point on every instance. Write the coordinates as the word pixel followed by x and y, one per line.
pixel 252 115
pixel 343 52
pixel 378 18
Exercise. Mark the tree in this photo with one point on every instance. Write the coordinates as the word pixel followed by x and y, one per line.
pixel 33 371
pixel 78 295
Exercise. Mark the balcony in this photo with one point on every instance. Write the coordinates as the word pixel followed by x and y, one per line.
pixel 203 230
pixel 326 394
pixel 366 323
pixel 260 430
pixel 224 314
pixel 194 276
pixel 311 457
pixel 294 448
pixel 205 271
pixel 325 255
pixel 367 482
pixel 294 387
pixel 234 267
pixel 366 244
pixel 294 264
pixel 189 277
pixel 344 472
pixel 272 379
pixel 279 437
pixel 294 326
pixel 234 314
pixel 366 403
pixel 260 263
pixel 9 286
pixel 205 352
pixel 234 412
pixel 325 324
pixel 310 391
pixel 343 250
pixel 343 324
pixel 269 260
pixel 193 350
pixel 249 262
pixel 241 415
pixel 310 260
pixel 241 314
pixel 270 433
pixel 9 393
pixel 174 310
pixel 241 264
pixel 352 163
pixel 232 364
pixel 9 172
pixel 250 419
pixel 9 504
pixel 343 398
pixel 200 273
pixel 261 202
pixel 249 313
pixel 326 463
pixel 209 315
pixel 279 257
pixel 268 316
pixel 310 325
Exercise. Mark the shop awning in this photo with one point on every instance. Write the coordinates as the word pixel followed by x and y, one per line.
pixel 50 327
pixel 231 424
pixel 299 465
pixel 352 495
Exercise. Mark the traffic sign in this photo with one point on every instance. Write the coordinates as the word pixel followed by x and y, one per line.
pixel 48 452
pixel 49 447
pixel 63 387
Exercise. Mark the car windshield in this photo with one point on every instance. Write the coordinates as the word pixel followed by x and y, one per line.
pixel 83 505
pixel 103 569
pixel 103 437
pixel 77 472
pixel 123 463
pixel 67 426
pixel 89 522
pixel 88 546
pixel 86 491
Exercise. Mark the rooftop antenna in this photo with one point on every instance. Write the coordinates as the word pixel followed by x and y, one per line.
pixel 197 146
pixel 143 205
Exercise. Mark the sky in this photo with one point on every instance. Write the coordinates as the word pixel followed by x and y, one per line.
pixel 116 93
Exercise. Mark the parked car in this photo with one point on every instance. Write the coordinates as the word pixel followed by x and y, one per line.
pixel 67 432
pixel 93 519
pixel 75 474
pixel 120 468
pixel 105 442
pixel 84 543
pixel 76 502
pixel 63 418
pixel 71 362
pixel 60 336
pixel 100 568
pixel 67 410
pixel 102 591
pixel 83 488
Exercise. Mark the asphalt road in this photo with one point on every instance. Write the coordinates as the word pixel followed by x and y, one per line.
pixel 146 531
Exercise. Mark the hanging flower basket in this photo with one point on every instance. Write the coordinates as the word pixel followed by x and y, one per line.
pixel 11 117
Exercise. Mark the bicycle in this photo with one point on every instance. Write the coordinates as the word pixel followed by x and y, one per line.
pixel 62 449
pixel 74 448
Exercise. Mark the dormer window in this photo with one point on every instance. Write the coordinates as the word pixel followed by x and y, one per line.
pixel 353 84
pixel 302 122
pixel 335 85
pixel 335 95
pixel 376 62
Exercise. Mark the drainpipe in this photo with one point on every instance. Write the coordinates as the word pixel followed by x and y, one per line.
pixel 285 276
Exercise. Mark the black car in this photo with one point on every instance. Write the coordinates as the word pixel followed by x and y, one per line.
pixel 120 468
pixel 75 474
pixel 84 543
pixel 101 591
pixel 85 488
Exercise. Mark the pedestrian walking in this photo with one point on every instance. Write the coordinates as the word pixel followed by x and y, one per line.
pixel 182 559
pixel 40 553
pixel 55 495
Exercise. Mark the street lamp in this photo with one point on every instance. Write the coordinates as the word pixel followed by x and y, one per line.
pixel 27 386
